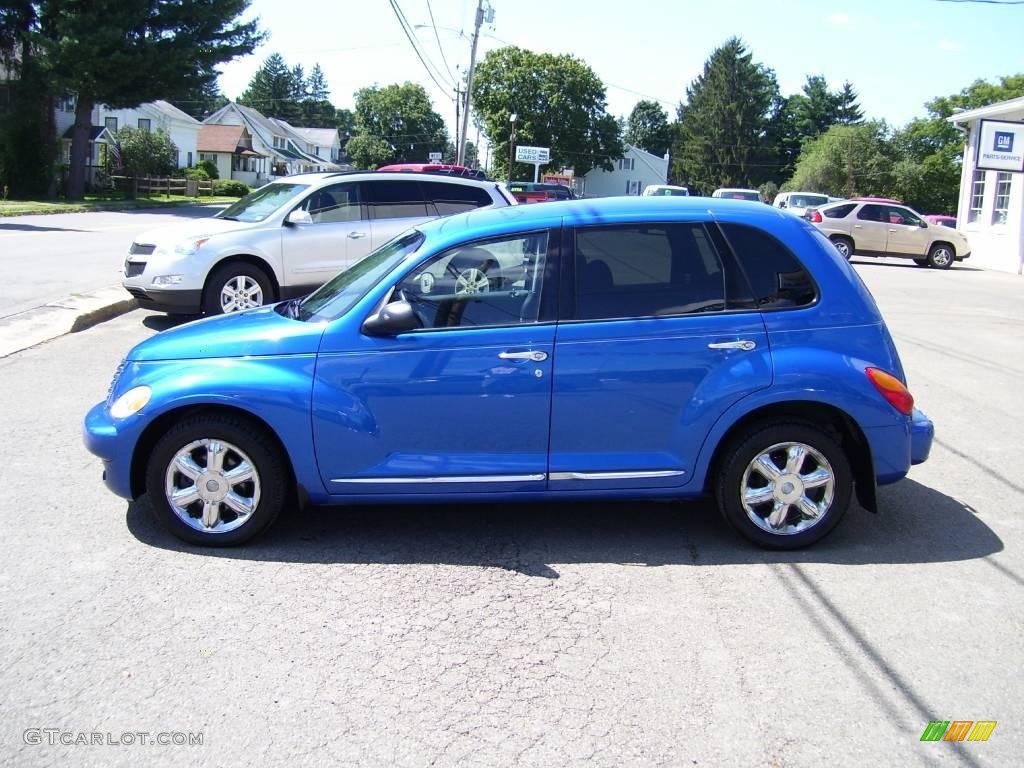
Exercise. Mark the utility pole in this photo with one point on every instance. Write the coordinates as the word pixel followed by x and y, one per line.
pixel 458 101
pixel 461 154
pixel 849 167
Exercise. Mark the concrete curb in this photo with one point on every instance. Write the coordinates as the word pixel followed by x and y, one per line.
pixel 69 315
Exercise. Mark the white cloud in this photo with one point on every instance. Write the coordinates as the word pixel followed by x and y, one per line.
pixel 839 19
pixel 947 45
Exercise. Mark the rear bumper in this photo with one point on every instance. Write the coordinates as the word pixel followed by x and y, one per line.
pixel 922 431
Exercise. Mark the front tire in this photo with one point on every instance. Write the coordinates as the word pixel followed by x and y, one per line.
pixel 921 262
pixel 236 286
pixel 784 486
pixel 844 245
pixel 941 256
pixel 216 480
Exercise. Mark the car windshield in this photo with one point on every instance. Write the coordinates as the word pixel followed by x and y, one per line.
pixel 807 201
pixel 338 295
pixel 258 205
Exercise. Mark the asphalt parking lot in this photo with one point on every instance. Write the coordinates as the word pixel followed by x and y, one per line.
pixel 541 635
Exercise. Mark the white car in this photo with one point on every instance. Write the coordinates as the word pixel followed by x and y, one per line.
pixel 797 203
pixel 289 237
pixel 731 193
pixel 665 190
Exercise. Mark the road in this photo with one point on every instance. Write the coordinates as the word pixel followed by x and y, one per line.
pixel 591 634
pixel 45 258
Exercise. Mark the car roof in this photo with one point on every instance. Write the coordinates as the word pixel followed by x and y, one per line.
pixel 324 177
pixel 485 222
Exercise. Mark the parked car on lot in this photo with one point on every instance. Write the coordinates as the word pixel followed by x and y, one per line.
pixel 665 190
pixel 739 194
pixel 886 229
pixel 942 221
pixel 288 238
pixel 702 347
pixel 534 192
pixel 798 203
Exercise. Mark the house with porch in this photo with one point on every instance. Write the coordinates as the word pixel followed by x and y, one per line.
pixel 229 147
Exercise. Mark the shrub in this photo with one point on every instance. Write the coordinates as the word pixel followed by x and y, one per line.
pixel 210 167
pixel 197 174
pixel 230 188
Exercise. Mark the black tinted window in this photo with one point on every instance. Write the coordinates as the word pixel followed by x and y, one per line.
pixel 839 211
pixel 393 199
pixel 454 198
pixel 873 212
pixel 646 271
pixel 778 278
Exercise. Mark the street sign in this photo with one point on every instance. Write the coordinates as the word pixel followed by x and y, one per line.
pixel 434 157
pixel 539 155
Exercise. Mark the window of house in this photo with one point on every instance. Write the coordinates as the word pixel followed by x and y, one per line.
pixel 66 104
pixel 111 124
pixel 493 283
pixel 626 163
pixel 1001 207
pixel 145 124
pixel 189 160
pixel 977 196
pixel 394 199
pixel 776 275
pixel 646 271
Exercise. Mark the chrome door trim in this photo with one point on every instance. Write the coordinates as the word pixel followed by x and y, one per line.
pixel 616 475
pixel 443 479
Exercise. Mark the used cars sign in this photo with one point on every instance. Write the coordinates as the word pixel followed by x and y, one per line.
pixel 533 155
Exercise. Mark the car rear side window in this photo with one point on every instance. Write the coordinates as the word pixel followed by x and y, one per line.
pixel 839 211
pixel 394 199
pixel 646 271
pixel 454 198
pixel 777 277
pixel 873 212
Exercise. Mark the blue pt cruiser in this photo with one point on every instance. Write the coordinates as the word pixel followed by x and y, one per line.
pixel 631 348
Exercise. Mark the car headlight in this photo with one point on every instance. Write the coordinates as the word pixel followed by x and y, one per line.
pixel 132 401
pixel 190 246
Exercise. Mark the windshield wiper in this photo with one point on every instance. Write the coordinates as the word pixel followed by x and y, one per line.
pixel 229 218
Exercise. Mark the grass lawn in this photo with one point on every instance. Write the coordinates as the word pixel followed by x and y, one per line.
pixel 102 203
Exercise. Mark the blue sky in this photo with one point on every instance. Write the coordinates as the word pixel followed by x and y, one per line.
pixel 898 54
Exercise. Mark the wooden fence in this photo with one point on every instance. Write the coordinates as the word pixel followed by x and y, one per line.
pixel 156 185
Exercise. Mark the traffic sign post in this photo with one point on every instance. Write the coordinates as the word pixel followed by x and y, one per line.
pixel 535 156
pixel 434 157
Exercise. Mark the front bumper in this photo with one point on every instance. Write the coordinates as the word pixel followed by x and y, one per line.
pixel 180 302
pixel 922 431
pixel 113 444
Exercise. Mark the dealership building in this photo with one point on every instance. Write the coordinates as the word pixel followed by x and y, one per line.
pixel 991 206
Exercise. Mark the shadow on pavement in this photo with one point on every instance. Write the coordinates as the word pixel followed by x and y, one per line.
pixel 863 261
pixel 35 228
pixel 166 322
pixel 917 525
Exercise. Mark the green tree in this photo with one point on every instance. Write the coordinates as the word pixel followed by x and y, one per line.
pixel 847 160
pixel 317 110
pixel 399 116
pixel 146 153
pixel 202 101
pixel 848 111
pixel 559 101
pixel 648 128
pixel 723 124
pixel 126 52
pixel 272 90
pixel 815 109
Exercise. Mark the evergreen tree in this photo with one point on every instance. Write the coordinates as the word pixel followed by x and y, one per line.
pixel 648 128
pixel 272 90
pixel 723 124
pixel 317 110
pixel 202 101
pixel 848 112
pixel 814 110
pixel 125 53
pixel 316 85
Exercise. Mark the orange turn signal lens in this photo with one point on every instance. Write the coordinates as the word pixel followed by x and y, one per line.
pixel 892 389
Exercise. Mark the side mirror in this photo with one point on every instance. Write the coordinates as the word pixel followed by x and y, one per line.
pixel 923 224
pixel 299 216
pixel 396 317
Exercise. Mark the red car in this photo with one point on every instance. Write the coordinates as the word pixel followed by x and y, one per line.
pixel 445 168
pixel 942 221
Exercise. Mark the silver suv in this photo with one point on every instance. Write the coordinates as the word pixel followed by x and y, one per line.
pixel 884 228
pixel 289 237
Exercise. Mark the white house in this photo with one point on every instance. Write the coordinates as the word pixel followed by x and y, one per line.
pixel 274 139
pixel 229 147
pixel 633 171
pixel 183 129
pixel 318 142
pixel 991 206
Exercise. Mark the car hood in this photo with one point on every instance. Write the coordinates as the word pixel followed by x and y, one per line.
pixel 175 233
pixel 255 333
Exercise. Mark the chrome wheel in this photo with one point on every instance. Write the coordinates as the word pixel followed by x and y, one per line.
pixel 472 280
pixel 787 488
pixel 212 486
pixel 942 257
pixel 843 247
pixel 240 292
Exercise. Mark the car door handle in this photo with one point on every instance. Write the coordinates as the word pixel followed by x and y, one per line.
pixel 893 231
pixel 535 355
pixel 857 226
pixel 745 344
pixel 356 235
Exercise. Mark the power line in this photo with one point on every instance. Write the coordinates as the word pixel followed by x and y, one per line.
pixel 439 47
pixel 407 29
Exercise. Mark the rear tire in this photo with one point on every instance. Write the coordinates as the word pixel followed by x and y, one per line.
pixel 235 286
pixel 941 256
pixel 784 486
pixel 844 245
